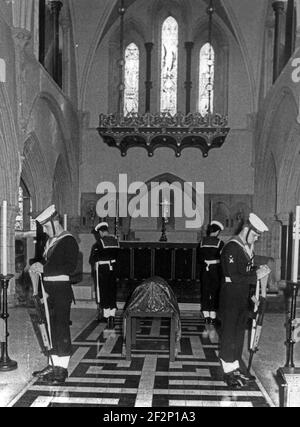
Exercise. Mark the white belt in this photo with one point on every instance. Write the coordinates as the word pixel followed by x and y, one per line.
pixel 108 262
pixel 61 278
pixel 211 262
pixel 228 280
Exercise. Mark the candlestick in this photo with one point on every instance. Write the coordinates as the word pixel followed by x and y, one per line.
pixel 65 222
pixel 4 238
pixel 296 247
pixel 6 364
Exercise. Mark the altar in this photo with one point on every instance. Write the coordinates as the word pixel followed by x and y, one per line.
pixel 174 262
pixel 171 261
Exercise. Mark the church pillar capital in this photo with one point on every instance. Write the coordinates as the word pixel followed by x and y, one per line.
pixel 21 37
pixel 65 23
pixel 283 217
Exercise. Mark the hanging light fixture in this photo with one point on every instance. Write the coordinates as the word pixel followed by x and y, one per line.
pixel 152 131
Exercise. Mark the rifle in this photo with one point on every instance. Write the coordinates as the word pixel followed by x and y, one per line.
pixel 257 322
pixel 42 323
pixel 42 312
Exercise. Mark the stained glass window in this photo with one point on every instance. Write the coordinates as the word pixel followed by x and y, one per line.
pixel 19 218
pixel 169 66
pixel 131 79
pixel 206 79
pixel 24 221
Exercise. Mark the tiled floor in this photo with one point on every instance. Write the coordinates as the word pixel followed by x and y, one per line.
pixel 101 376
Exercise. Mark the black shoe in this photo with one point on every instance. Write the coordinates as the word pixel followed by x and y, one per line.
pixel 43 372
pixel 56 377
pixel 233 380
pixel 59 375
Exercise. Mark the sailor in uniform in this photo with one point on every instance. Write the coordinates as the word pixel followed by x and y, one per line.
pixel 60 261
pixel 210 270
pixel 103 260
pixel 237 261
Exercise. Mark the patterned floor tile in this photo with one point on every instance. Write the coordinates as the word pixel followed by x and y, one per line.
pixel 100 375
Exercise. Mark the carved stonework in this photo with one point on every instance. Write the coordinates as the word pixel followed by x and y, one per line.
pixel 152 131
pixel 21 39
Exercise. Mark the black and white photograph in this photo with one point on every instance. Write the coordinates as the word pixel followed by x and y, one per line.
pixel 149 206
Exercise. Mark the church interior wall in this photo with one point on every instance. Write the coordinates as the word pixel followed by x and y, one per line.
pixel 220 171
pixel 39 123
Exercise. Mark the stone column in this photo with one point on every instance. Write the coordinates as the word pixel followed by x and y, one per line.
pixel 286 220
pixel 55 11
pixel 65 23
pixel 188 82
pixel 278 7
pixel 148 82
pixel 290 30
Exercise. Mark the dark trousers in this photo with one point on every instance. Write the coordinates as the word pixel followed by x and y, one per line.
pixel 233 315
pixel 59 302
pixel 210 288
pixel 107 287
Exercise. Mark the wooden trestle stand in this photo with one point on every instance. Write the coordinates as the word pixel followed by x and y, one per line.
pixel 6 364
pixel 289 375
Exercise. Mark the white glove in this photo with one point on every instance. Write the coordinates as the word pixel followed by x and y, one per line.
pixel 37 268
pixel 263 271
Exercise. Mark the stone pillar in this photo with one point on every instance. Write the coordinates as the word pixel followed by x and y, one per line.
pixel 286 250
pixel 55 11
pixel 278 7
pixel 290 30
pixel 188 82
pixel 148 82
pixel 65 23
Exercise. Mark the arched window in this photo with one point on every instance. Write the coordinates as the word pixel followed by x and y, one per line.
pixel 206 79
pixel 169 66
pixel 24 222
pixel 131 79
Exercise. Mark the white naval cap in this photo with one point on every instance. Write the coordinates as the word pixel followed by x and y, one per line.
pixel 257 224
pixel 46 215
pixel 100 225
pixel 218 224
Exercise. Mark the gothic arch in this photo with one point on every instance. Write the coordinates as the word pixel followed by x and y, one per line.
pixel 35 173
pixel 289 175
pixel 101 29
pixel 62 194
pixel 168 178
pixel 266 188
pixel 68 148
pixel 229 9
pixel 134 32
pixel 159 10
pixel 280 104
pixel 220 43
pixel 56 111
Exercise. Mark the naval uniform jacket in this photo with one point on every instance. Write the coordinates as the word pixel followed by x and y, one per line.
pixel 210 249
pixel 103 259
pixel 239 274
pixel 60 261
